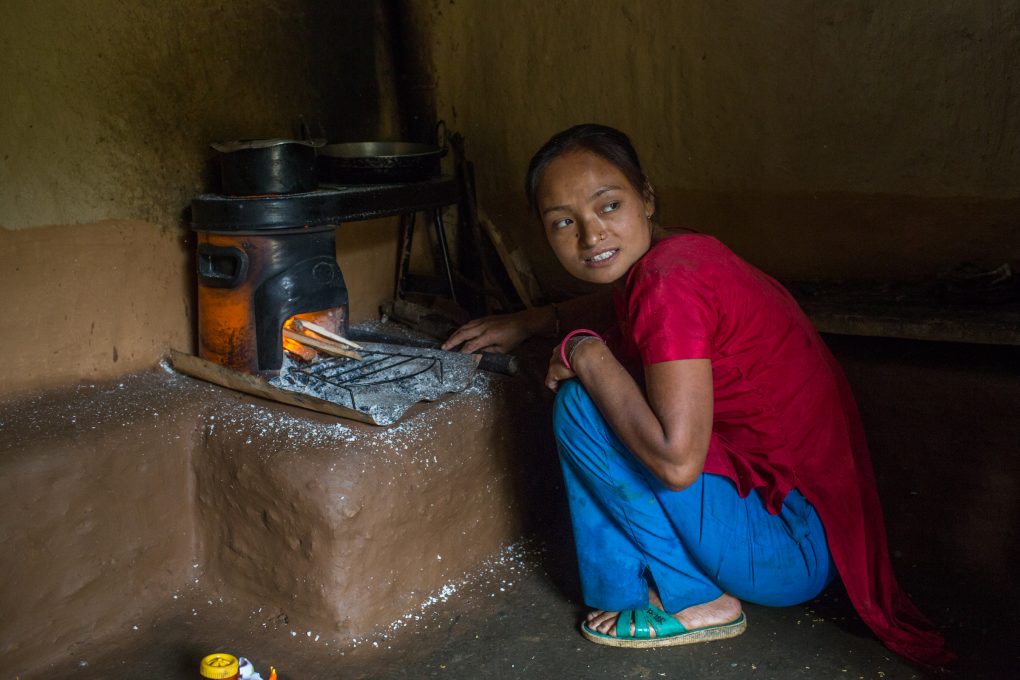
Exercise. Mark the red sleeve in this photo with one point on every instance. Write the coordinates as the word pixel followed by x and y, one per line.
pixel 670 316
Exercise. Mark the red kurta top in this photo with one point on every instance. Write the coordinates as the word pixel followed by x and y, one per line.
pixel 784 416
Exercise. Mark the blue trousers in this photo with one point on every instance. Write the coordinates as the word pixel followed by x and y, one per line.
pixel 633 533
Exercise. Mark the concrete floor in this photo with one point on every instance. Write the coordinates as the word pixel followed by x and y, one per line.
pixel 944 433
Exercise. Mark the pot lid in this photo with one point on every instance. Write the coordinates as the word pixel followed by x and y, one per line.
pixel 380 150
pixel 227 147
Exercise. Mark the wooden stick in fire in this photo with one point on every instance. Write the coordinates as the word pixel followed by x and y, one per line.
pixel 327 346
pixel 324 332
pixel 306 354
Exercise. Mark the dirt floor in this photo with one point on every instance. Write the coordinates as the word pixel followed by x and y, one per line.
pixel 931 410
pixel 520 621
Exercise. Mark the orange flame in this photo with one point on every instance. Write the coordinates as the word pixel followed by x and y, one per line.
pixel 330 319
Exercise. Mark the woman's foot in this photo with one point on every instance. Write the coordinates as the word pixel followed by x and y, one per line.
pixel 719 611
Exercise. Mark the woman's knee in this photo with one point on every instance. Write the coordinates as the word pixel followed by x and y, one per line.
pixel 574 413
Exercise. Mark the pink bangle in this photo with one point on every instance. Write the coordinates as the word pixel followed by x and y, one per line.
pixel 571 334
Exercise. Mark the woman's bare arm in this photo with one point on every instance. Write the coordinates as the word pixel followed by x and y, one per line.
pixel 670 428
pixel 503 332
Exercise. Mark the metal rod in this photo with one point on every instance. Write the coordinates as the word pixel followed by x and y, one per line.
pixel 441 237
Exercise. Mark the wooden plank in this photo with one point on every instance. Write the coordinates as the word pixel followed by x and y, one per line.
pixel 250 384
pixel 517 276
pixel 1001 330
pixel 907 310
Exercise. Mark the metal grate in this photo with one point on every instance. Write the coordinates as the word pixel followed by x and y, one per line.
pixel 375 369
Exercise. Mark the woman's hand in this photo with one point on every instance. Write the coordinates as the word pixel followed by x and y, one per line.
pixel 502 332
pixel 558 371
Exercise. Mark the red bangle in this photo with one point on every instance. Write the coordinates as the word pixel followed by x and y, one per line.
pixel 563 345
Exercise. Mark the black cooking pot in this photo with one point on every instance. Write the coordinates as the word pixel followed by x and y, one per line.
pixel 378 162
pixel 256 167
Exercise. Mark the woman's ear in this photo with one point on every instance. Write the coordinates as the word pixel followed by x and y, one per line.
pixel 649 199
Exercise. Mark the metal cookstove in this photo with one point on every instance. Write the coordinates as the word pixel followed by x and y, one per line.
pixel 264 261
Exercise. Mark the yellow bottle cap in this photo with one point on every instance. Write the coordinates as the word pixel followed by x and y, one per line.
pixel 218 666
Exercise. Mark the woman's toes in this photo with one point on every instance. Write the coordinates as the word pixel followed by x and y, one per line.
pixel 602 621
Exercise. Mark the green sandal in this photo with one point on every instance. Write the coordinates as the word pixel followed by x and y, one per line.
pixel 668 631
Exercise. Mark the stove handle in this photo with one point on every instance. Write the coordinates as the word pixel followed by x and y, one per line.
pixel 221 266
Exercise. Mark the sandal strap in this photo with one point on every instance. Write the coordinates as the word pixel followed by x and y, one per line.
pixel 664 624
pixel 641 631
pixel 646 620
pixel 623 623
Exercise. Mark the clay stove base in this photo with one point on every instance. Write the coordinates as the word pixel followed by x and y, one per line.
pixel 138 490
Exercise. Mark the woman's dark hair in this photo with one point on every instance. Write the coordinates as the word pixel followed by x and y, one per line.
pixel 601 140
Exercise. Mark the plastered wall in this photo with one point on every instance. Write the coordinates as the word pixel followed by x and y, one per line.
pixel 826 139
pixel 819 139
pixel 109 110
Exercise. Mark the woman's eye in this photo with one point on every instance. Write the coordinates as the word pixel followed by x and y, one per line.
pixel 561 224
pixel 611 206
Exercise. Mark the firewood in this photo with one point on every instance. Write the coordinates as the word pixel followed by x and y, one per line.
pixel 325 332
pixel 297 351
pixel 327 346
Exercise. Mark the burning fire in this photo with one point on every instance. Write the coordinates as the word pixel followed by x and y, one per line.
pixel 323 328
pixel 295 348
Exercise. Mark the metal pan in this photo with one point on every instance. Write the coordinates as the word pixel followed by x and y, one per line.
pixel 378 162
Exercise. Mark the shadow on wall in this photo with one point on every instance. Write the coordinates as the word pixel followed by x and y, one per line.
pixel 350 55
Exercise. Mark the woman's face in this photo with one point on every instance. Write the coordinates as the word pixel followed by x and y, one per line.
pixel 597 223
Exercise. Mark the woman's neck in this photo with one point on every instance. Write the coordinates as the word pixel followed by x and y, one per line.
pixel 658 233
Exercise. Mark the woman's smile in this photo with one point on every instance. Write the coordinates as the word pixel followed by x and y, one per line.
pixel 602 258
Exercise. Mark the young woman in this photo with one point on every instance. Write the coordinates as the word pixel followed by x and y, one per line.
pixel 710 446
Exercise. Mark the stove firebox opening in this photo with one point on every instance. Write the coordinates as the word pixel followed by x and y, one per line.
pixel 333 321
pixel 253 286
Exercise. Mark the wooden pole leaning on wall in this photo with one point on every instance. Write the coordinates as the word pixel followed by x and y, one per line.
pixel 517 269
